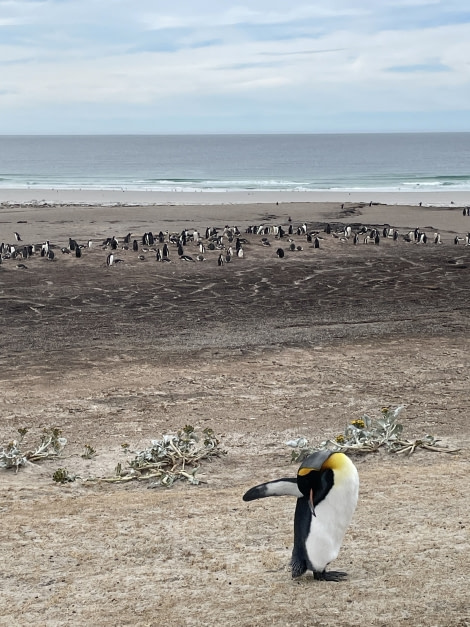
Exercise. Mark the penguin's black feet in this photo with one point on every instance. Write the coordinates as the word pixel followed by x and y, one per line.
pixel 331 575
pixel 298 568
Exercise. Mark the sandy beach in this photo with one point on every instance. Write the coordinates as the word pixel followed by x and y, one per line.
pixel 261 349
pixel 85 197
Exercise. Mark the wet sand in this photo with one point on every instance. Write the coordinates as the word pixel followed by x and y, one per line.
pixel 261 349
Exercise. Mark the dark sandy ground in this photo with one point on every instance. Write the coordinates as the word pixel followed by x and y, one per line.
pixel 261 350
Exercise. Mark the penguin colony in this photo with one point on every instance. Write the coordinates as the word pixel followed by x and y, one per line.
pixel 219 245
pixel 326 488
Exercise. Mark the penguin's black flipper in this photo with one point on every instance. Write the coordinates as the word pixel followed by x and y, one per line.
pixel 279 487
pixel 331 575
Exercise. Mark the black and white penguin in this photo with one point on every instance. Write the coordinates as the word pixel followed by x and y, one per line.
pixel 326 487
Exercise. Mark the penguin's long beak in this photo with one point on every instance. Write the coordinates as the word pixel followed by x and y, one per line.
pixel 310 503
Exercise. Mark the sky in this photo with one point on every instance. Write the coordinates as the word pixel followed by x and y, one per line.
pixel 214 66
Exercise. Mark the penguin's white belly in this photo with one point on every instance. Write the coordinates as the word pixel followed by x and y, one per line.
pixel 333 516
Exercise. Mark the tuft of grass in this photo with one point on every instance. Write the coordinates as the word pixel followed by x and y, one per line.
pixel 368 435
pixel 88 452
pixel 173 458
pixel 50 446
pixel 62 475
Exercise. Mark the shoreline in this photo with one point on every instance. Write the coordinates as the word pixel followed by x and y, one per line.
pixel 101 197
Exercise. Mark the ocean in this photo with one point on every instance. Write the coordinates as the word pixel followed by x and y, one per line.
pixel 354 162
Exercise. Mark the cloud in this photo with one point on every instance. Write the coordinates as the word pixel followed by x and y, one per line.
pixel 209 60
pixel 420 67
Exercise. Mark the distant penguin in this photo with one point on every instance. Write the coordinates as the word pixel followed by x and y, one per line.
pixel 326 487
pixel 158 255
pixel 18 237
pixel 316 243
pixel 220 260
pixel 166 250
pixel 180 250
pixel 356 239
pixel 110 259
pixel 78 252
pixel 50 255
pixel 328 229
pixel 135 245
pixel 280 253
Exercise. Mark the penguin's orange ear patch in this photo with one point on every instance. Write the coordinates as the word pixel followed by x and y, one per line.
pixel 305 471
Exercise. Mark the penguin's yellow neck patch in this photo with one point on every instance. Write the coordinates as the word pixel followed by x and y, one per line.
pixel 336 461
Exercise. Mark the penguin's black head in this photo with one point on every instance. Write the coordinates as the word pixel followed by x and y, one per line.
pixel 313 480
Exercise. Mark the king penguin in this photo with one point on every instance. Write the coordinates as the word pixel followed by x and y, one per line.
pixel 327 488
